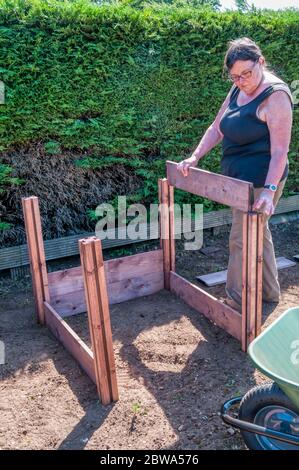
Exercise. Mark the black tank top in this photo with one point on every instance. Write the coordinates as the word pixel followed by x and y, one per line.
pixel 246 150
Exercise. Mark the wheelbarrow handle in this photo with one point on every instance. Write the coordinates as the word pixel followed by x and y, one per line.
pixel 254 428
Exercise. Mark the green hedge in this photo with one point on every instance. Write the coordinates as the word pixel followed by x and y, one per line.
pixel 113 82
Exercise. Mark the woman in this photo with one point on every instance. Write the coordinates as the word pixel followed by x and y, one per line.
pixel 254 124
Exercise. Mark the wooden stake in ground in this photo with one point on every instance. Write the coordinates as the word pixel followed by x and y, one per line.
pixel 99 318
pixel 164 217
pixel 252 277
pixel 36 255
pixel 171 228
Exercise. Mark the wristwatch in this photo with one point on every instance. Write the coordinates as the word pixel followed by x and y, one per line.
pixel 272 187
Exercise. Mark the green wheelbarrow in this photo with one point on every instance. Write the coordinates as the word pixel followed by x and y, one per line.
pixel 268 414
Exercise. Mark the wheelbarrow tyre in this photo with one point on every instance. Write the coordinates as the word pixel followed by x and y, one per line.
pixel 259 397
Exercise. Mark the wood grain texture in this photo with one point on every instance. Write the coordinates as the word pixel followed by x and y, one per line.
pixel 98 317
pixel 244 281
pixel 36 254
pixel 216 311
pixel 128 277
pixel 70 340
pixel 230 191
pixel 164 214
pixel 171 227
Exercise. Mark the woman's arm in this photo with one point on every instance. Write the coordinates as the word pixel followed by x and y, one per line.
pixel 213 136
pixel 210 139
pixel 279 118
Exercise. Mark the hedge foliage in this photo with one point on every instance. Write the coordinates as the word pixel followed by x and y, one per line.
pixel 112 82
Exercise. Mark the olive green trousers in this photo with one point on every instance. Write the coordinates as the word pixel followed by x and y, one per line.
pixel 271 288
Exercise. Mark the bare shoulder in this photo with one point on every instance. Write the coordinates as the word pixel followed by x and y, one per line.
pixel 278 102
pixel 270 78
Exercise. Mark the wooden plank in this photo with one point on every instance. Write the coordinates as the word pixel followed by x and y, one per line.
pixel 283 262
pixel 135 265
pixel 217 312
pixel 244 281
pixel 128 277
pixel 135 287
pixel 171 228
pixel 164 216
pixel 70 340
pixel 72 303
pixel 251 278
pixel 99 318
pixel 63 247
pixel 105 317
pixel 69 304
pixel 210 250
pixel 116 270
pixel 230 191
pixel 213 279
pixel 219 277
pixel 259 280
pixel 36 254
pixel 160 202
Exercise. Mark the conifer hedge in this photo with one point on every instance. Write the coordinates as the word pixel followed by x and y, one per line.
pixel 115 85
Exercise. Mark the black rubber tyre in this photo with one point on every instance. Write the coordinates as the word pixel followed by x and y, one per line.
pixel 264 405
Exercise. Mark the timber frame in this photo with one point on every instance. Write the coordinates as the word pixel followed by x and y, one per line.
pixel 96 283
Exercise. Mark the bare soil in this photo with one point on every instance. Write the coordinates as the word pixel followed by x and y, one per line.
pixel 175 368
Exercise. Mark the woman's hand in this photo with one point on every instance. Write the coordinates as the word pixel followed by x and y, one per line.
pixel 184 165
pixel 264 203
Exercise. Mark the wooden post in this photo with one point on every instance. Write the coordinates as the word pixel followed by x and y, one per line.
pixel 99 318
pixel 164 216
pixel 244 280
pixel 259 280
pixel 160 205
pixel 171 228
pixel 252 276
pixel 36 255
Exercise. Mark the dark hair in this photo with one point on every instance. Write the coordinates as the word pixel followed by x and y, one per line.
pixel 241 49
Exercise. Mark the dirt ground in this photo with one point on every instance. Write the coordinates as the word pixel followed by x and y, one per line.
pixel 174 367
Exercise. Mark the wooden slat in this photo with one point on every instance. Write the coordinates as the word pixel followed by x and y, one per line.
pixel 259 275
pixel 160 202
pixel 219 277
pixel 36 254
pixel 128 277
pixel 69 304
pixel 244 281
pixel 230 191
pixel 217 312
pixel 99 318
pixel 100 278
pixel 70 340
pixel 164 215
pixel 171 228
pixel 283 262
pixel 118 269
pixel 72 303
pixel 138 265
pixel 252 278
pixel 213 279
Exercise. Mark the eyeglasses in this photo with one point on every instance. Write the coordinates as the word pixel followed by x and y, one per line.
pixel 245 75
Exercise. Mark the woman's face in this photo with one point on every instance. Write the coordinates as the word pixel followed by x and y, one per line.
pixel 247 74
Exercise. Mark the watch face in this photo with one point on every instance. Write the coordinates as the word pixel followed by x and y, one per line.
pixel 273 187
